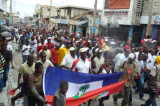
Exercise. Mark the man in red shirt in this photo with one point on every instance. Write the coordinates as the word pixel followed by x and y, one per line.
pixel 40 46
pixel 50 45
pixel 54 54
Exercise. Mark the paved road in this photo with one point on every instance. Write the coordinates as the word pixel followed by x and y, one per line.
pixel 12 83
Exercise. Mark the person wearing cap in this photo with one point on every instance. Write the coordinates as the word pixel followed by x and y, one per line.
pixel 47 51
pixel 82 64
pixel 98 59
pixel 55 54
pixel 63 52
pixel 69 59
pixel 49 43
pixel 155 78
pixel 130 71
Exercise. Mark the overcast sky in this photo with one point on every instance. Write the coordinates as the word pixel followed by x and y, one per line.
pixel 27 7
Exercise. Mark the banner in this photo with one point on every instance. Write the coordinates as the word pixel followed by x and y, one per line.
pixel 82 87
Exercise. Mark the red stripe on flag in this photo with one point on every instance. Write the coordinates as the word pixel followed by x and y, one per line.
pixel 112 89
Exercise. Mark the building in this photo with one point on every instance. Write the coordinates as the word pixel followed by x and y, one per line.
pixel 16 18
pixel 3 11
pixel 155 21
pixel 128 19
pixel 121 19
pixel 77 16
pixel 43 13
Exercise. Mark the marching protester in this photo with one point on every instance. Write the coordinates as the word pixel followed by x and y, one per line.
pixel 46 63
pixel 130 70
pixel 153 84
pixel 35 94
pixel 55 55
pixel 69 59
pixel 60 95
pixel 26 49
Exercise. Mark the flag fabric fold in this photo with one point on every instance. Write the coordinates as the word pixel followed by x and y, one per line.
pixel 82 87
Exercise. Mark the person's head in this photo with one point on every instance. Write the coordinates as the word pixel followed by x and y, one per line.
pixel 83 52
pixel 49 39
pixel 63 87
pixel 153 52
pixel 68 45
pixel 126 52
pixel 145 57
pixel 43 56
pixel 39 68
pixel 4 46
pixel 140 57
pixel 42 41
pixel 25 77
pixel 140 49
pixel 131 58
pixel 27 42
pixel 45 46
pixel 72 51
pixel 107 62
pixel 30 60
pixel 32 38
pixel 99 53
pixel 57 46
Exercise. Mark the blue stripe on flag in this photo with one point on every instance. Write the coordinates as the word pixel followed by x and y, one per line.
pixel 53 76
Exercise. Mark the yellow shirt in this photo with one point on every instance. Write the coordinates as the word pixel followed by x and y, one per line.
pixel 62 53
pixel 24 68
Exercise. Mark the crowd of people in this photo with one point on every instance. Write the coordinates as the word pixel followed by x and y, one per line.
pixel 85 54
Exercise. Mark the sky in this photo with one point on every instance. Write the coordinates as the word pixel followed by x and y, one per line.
pixel 27 7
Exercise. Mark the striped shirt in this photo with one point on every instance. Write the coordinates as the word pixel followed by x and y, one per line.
pixel 2 61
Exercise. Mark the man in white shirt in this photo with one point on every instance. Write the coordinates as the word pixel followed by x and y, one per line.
pixel 26 51
pixel 69 59
pixel 98 59
pixel 118 56
pixel 140 51
pixel 140 78
pixel 151 59
pixel 83 64
pixel 46 63
pixel 122 59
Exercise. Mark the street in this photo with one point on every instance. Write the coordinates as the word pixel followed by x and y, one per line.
pixel 12 83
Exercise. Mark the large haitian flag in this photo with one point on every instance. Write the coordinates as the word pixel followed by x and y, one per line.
pixel 82 87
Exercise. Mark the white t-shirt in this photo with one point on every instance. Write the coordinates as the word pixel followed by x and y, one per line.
pixel 140 66
pixel 9 48
pixel 119 62
pixel 68 60
pixel 26 52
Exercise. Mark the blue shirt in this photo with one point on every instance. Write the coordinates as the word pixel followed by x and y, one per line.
pixel 28 36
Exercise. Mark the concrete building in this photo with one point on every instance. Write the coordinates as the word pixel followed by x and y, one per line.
pixel 42 15
pixel 127 20
pixel 121 19
pixel 16 18
pixel 77 16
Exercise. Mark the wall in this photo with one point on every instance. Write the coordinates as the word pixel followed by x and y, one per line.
pixel 118 16
pixel 76 11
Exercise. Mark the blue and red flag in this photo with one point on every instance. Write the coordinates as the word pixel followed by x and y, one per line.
pixel 82 87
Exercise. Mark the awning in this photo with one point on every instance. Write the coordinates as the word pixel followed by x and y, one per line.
pixel 74 22
pixel 81 22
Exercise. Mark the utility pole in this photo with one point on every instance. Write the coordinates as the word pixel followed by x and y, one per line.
pixel 149 32
pixel 50 12
pixel 95 13
pixel 10 14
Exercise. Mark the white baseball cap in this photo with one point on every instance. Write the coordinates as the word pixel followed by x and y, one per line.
pixel 131 55
pixel 72 49
pixel 84 49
